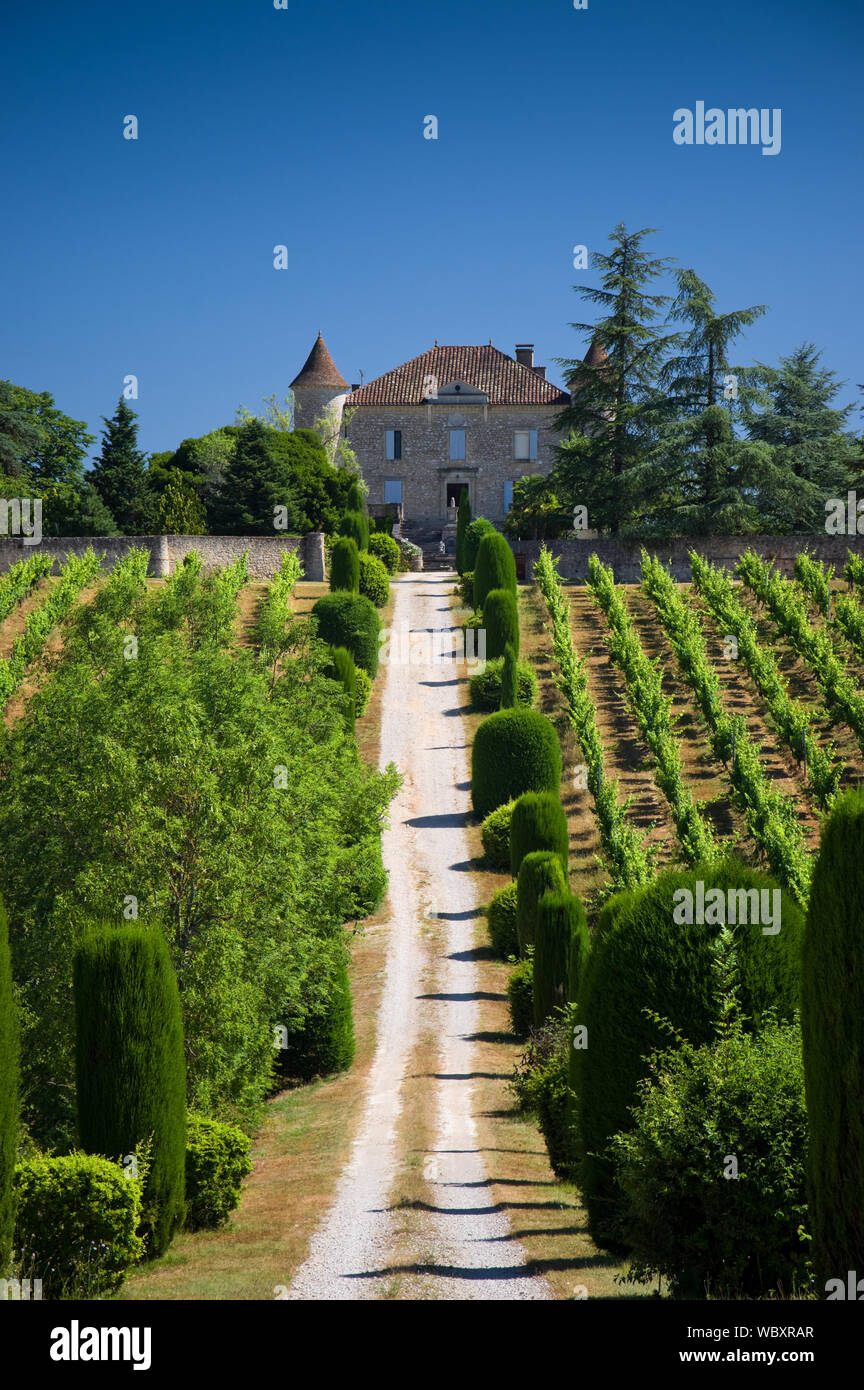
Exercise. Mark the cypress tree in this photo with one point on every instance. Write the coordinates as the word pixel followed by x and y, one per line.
pixel 120 474
pixel 501 621
pixel 343 670
pixel 355 525
pixel 463 520
pixel 345 566
pixel 509 679
pixel 539 873
pixel 356 501
pixel 832 1021
pixel 9 1098
pixel 495 567
pixel 539 822
pixel 559 919
pixel 130 1067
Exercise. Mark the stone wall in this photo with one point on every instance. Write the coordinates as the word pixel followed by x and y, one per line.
pixel 166 552
pixel 624 556
pixel 425 467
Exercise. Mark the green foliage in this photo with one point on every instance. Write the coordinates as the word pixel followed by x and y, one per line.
pixel 560 918
pixel 515 751
pixel 536 511
pixel 345 566
pixel 540 1085
pixel 465 589
pixel 356 525
pixel 833 1029
pixel 495 835
pixel 501 621
pixel 364 690
pixel 39 442
pixel 463 520
pixel 539 823
pixel 341 668
pixel 494 568
pixel 485 686
pixel 501 920
pixel 20 579
pixel 374 580
pixel 77 1224
pixel 350 620
pixel 356 499
pixel 9 1097
pixel 385 549
pixel 712 1234
pixel 217 1161
pixel 474 533
pixel 520 997
pixel 129 1064
pixel 648 964
pixel 120 474
pixel 41 621
pixel 540 872
pixel 510 679
pixel 320 1040
pixel 276 630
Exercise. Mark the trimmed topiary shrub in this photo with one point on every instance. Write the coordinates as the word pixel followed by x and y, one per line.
pixel 345 566
pixel 342 669
pixel 474 644
pixel 501 920
pixel 515 751
pixel 520 997
pixel 356 499
pixel 77 1223
pixel 364 690
pixel 580 945
pixel 683 1216
pixel 495 567
pixel 474 533
pixel 495 834
pixel 130 1066
pixel 485 686
pixel 560 918
pixel 350 620
pixel 539 822
pixel 501 620
pixel 355 525
pixel 646 962
pixel 385 549
pixel 9 1098
pixel 510 679
pixel 322 1042
pixel 540 1084
pixel 374 580
pixel 465 589
pixel 832 1021
pixel 217 1161
pixel 463 521
pixel 539 873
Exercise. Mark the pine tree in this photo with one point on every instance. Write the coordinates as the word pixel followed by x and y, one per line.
pixel 120 474
pixel 463 520
pixel 257 481
pixel 9 1098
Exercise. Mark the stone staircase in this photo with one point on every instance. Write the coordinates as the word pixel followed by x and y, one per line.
pixel 429 541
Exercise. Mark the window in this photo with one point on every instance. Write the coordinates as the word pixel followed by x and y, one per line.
pixel 393 490
pixel 525 445
pixel 508 496
pixel 394 444
pixel 457 444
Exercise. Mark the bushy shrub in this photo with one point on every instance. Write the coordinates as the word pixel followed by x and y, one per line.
pixel 356 499
pixel 539 822
pixel 495 835
pixel 494 568
pixel 738 1099
pixel 473 645
pixel 385 549
pixel 342 669
pixel 515 751
pixel 9 1097
pixel 540 1084
pixel 474 533
pixel 643 964
pixel 465 589
pixel 129 1063
pixel 322 1041
pixel 510 679
pixel 501 620
pixel 833 1028
pixel 520 997
pixel 77 1224
pixel 540 872
pixel 501 921
pixel 364 690
pixel 560 918
pixel 374 580
pixel 217 1161
pixel 345 566
pixel 485 686
pixel 355 525
pixel 350 620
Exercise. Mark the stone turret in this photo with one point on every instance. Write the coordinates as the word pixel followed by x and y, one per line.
pixel 319 392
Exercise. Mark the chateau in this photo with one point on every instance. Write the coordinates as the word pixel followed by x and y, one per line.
pixel 452 419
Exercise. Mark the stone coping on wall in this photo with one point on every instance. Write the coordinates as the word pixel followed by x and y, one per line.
pixel 166 552
pixel 624 557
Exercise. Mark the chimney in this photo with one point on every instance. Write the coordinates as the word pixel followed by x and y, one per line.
pixel 541 372
pixel 355 386
pixel 525 354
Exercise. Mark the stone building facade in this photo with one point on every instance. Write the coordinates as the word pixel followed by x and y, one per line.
pixel 454 418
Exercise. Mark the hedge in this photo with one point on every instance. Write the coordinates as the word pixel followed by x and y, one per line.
pixel 832 1022
pixel 485 686
pixel 322 1042
pixel 539 822
pixel 350 620
pixel 385 549
pixel 560 918
pixel 495 835
pixel 539 872
pixel 9 1097
pixel 501 621
pixel 515 751
pixel 345 566
pixel 217 1161
pixel 474 533
pixel 495 567
pixel 374 580
pixel 130 1065
pixel 520 997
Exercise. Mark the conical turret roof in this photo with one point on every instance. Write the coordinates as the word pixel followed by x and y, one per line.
pixel 596 354
pixel 319 369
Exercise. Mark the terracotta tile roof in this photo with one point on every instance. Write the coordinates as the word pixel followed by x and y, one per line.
pixel 505 381
pixel 320 369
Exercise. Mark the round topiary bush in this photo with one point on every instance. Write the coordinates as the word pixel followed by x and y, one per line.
pixel 501 920
pixel 474 533
pixel 385 549
pixel 495 834
pixel 350 620
pixel 520 997
pixel 345 566
pixel 501 621
pixel 355 525
pixel 374 580
pixel 539 873
pixel 515 751
pixel 495 567
pixel 648 962
pixel 485 686
pixel 560 918
pixel 539 821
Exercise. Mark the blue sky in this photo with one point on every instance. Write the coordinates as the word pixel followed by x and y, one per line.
pixel 304 127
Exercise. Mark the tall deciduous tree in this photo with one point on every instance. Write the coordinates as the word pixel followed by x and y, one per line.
pixel 120 474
